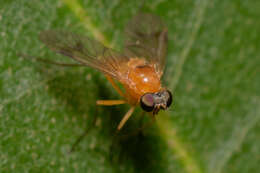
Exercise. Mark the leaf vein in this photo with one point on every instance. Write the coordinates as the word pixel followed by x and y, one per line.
pixel 184 54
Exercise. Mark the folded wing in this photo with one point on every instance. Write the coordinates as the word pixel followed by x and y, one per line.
pixel 146 37
pixel 85 50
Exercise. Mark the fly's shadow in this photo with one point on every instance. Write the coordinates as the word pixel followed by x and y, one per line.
pixel 145 151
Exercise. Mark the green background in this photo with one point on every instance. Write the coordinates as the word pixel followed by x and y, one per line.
pixel 213 67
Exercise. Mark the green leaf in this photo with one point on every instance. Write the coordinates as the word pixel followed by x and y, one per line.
pixel 212 68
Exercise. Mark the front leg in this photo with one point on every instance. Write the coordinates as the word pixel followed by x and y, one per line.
pixel 110 102
pixel 126 117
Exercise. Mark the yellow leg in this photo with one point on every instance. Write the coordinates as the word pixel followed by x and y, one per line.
pixel 115 86
pixel 110 102
pixel 125 118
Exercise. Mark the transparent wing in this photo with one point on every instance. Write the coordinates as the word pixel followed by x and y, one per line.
pixel 84 50
pixel 146 36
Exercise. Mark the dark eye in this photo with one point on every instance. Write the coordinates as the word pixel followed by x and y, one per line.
pixel 147 102
pixel 169 98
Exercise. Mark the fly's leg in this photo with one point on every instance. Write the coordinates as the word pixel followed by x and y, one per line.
pixel 110 102
pixel 99 102
pixel 49 61
pixel 115 86
pixel 125 118
pixel 140 128
pixel 79 139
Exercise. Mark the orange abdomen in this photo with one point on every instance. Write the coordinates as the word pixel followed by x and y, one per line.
pixel 141 79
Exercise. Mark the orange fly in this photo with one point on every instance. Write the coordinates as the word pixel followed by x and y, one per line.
pixel 139 68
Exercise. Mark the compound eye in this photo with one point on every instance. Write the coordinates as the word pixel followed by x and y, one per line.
pixel 147 102
pixel 169 98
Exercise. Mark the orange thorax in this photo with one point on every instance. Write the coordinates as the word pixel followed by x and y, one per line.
pixel 142 78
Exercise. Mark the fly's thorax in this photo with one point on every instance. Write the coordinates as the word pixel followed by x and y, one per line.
pixel 142 78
